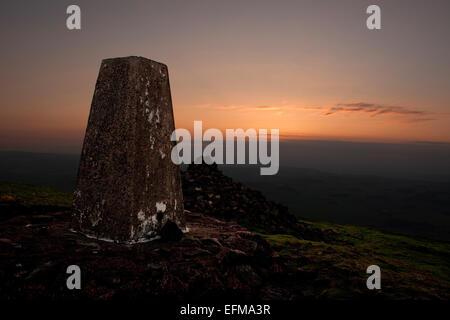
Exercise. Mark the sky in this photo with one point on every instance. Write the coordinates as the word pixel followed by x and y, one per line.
pixel 309 68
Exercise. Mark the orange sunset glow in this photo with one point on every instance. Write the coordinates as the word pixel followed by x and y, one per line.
pixel 312 71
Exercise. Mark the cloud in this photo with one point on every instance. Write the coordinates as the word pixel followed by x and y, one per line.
pixel 378 109
pixel 416 120
pixel 404 114
pixel 264 108
pixel 314 108
pixel 240 107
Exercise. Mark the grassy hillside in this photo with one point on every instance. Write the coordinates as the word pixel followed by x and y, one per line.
pixel 411 267
pixel 29 195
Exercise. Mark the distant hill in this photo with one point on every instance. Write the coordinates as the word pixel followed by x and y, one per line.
pixel 417 207
pixel 409 206
pixel 46 169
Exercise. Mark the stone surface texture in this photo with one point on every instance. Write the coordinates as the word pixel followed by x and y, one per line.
pixel 127 186
pixel 214 260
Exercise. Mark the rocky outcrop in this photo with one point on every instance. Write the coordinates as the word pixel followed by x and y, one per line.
pixel 214 259
pixel 218 258
pixel 206 189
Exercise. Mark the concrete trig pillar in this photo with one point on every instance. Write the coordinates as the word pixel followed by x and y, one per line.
pixel 128 187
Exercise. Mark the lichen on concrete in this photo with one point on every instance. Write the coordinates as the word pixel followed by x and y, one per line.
pixel 124 168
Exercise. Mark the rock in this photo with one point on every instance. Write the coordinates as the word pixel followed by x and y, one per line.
pixel 206 189
pixel 7 198
pixel 171 232
pixel 154 266
pixel 215 258
pixel 5 241
pixel 128 187
pixel 41 218
pixel 247 272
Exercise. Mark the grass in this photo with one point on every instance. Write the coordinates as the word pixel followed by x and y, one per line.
pixel 29 195
pixel 410 267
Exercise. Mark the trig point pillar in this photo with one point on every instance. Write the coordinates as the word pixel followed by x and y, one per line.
pixel 128 188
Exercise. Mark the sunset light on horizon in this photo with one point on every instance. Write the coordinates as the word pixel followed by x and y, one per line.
pixel 317 73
